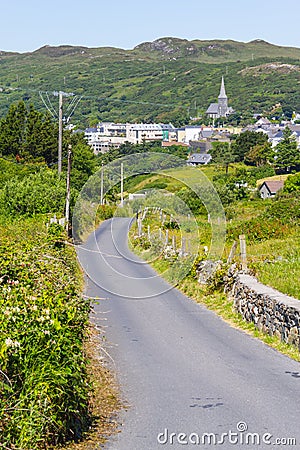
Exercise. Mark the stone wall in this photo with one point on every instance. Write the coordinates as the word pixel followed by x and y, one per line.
pixel 271 311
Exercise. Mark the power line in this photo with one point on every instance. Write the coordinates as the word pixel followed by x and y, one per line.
pixel 89 97
pixel 49 105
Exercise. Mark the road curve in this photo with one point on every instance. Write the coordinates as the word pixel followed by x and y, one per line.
pixel 183 371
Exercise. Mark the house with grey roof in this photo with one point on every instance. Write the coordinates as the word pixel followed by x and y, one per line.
pixel 196 159
pixel 270 188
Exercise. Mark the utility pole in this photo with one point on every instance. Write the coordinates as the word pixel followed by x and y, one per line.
pixel 122 185
pixel 68 186
pixel 101 191
pixel 60 131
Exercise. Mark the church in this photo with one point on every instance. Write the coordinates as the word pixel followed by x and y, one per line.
pixel 220 109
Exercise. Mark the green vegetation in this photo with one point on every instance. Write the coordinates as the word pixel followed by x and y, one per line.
pixel 45 378
pixel 287 152
pixel 44 381
pixel 273 246
pixel 292 183
pixel 272 233
pixel 44 386
pixel 169 80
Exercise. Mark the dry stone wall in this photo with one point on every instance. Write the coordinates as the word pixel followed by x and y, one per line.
pixel 271 311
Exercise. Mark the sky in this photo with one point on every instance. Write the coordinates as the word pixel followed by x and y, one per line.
pixel 28 25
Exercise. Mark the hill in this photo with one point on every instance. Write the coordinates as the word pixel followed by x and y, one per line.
pixel 168 79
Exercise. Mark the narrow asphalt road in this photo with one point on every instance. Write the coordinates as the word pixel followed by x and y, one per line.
pixel 183 371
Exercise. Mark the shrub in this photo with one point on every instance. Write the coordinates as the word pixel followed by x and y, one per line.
pixel 38 193
pixel 43 319
pixel 258 229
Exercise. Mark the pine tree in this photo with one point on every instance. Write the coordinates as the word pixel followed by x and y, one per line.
pixel 12 130
pixel 287 152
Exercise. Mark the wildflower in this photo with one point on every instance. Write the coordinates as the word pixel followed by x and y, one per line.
pixel 10 343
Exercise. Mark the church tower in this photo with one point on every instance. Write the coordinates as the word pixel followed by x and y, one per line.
pixel 222 101
pixel 220 109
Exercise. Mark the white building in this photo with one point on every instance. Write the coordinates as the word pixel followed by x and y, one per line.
pixel 192 133
pixel 139 132
pixel 109 134
pixel 105 136
pixel 112 129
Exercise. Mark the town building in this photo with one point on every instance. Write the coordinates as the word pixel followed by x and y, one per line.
pixel 199 159
pixel 143 132
pixel 220 109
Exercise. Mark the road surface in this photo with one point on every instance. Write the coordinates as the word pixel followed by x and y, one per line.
pixel 191 380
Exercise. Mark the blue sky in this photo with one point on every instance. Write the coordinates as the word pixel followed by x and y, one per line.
pixel 28 25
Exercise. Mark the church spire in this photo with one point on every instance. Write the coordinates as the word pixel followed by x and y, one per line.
pixel 222 90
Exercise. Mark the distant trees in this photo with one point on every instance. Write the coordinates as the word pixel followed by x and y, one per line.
pixel 242 143
pixel 287 152
pixel 260 155
pixel 31 136
pixel 223 153
pixel 83 162
pixel 27 133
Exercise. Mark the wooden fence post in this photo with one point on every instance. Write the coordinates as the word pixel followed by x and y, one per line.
pixel 232 253
pixel 242 239
pixel 160 234
pixel 174 242
pixel 140 231
pixel 167 237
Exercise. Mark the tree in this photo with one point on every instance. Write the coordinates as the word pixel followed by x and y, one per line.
pixel 12 130
pixel 287 152
pixel 28 134
pixel 260 155
pixel 245 141
pixel 83 164
pixel 292 183
pixel 222 153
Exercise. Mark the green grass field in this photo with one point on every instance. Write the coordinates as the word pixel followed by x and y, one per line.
pixel 273 246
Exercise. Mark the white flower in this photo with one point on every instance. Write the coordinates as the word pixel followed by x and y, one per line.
pixel 10 343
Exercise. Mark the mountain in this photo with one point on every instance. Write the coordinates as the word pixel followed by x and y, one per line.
pixel 167 79
pixel 215 51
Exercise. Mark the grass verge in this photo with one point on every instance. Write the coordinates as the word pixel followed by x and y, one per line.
pixel 104 400
pixel 45 342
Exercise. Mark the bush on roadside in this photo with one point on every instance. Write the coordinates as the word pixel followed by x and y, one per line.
pixel 44 389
